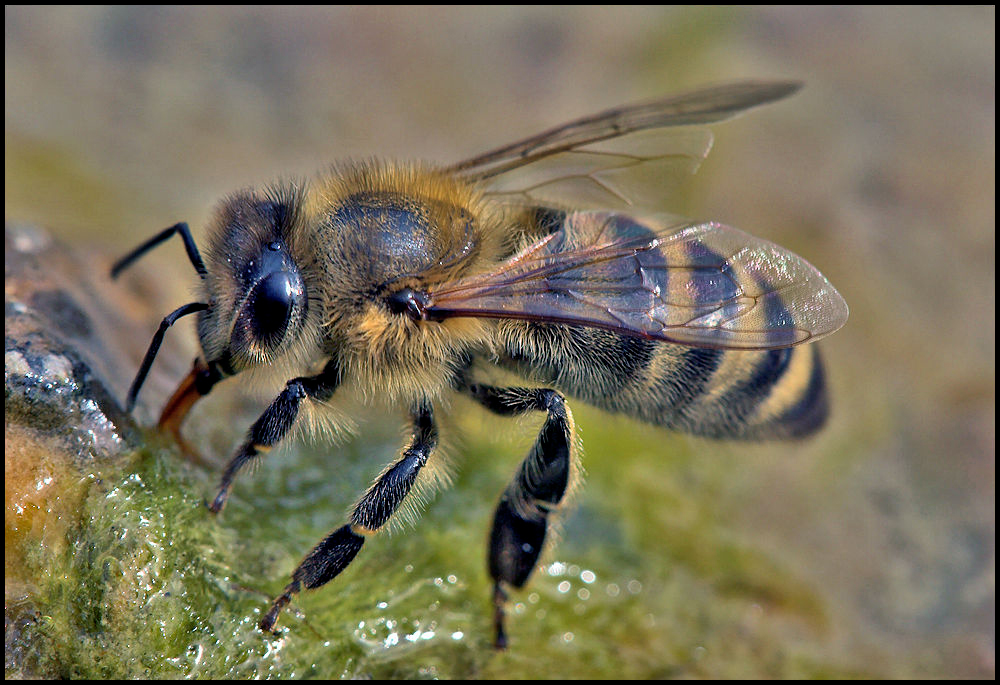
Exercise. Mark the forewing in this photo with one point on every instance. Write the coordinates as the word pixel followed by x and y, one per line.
pixel 621 158
pixel 706 285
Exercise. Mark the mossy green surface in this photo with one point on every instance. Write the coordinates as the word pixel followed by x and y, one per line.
pixel 646 581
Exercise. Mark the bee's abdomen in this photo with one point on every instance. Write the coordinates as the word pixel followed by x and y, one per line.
pixel 706 392
pixel 759 395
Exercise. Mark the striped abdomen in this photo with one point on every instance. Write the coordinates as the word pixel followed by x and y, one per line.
pixel 707 392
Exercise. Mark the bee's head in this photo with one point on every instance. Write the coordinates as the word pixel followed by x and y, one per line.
pixel 255 289
pixel 254 301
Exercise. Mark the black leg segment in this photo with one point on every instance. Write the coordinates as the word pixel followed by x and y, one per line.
pixel 371 513
pixel 320 566
pixel 521 519
pixel 275 422
pixel 384 497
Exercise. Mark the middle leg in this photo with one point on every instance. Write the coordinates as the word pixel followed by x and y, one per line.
pixel 372 512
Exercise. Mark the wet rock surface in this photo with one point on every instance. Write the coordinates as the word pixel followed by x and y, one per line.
pixel 63 365
pixel 61 418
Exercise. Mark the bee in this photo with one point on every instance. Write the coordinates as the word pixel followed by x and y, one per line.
pixel 545 258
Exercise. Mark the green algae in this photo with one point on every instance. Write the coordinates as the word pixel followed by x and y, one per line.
pixel 151 585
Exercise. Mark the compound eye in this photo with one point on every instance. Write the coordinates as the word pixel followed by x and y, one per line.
pixel 273 299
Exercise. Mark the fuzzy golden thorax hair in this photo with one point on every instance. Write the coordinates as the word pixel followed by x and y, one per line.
pixel 383 227
pixel 349 240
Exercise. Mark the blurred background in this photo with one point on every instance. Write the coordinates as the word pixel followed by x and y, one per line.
pixel 121 121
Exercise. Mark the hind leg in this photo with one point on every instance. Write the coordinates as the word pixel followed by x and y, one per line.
pixel 521 519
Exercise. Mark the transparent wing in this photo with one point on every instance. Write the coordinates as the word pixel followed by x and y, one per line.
pixel 621 158
pixel 634 172
pixel 706 285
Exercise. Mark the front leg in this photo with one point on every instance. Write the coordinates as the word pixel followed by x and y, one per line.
pixel 275 422
pixel 522 515
pixel 372 512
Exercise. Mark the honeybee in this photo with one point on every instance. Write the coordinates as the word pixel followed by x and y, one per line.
pixel 540 257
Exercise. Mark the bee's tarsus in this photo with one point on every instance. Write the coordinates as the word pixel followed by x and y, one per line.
pixel 219 503
pixel 373 511
pixel 327 559
pixel 275 423
pixel 320 566
pixel 267 623
pixel 499 604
